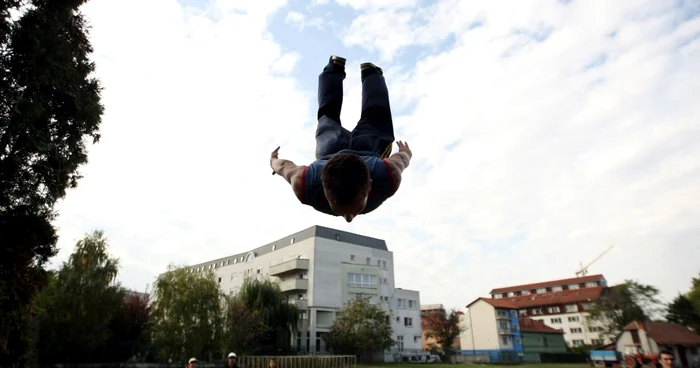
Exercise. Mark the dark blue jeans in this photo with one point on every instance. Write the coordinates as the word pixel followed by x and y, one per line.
pixel 375 130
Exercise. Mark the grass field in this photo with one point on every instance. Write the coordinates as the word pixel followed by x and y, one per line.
pixel 399 365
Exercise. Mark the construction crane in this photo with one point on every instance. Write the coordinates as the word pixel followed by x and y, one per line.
pixel 584 269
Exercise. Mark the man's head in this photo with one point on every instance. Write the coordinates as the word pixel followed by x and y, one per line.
pixel 346 183
pixel 666 358
pixel 192 363
pixel 273 363
pixel 231 359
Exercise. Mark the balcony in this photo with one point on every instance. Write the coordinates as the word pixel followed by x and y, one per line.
pixel 289 266
pixel 301 304
pixel 505 331
pixel 294 284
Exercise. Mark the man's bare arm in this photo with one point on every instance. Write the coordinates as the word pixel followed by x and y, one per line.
pixel 398 162
pixel 291 172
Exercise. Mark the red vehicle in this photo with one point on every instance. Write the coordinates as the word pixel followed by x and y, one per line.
pixel 634 357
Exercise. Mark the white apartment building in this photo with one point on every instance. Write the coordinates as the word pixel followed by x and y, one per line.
pixel 320 269
pixel 560 304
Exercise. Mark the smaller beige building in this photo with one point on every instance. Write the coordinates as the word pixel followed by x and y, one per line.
pixel 652 337
pixel 492 332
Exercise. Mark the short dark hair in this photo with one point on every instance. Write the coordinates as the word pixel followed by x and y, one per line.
pixel 665 352
pixel 344 177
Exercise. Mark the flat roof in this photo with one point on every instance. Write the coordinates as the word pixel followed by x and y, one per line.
pixel 311 232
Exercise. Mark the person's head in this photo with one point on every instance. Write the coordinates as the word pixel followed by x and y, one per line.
pixel 273 363
pixel 231 359
pixel 666 358
pixel 192 363
pixel 346 184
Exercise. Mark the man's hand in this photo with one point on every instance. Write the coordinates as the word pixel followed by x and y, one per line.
pixel 274 156
pixel 403 147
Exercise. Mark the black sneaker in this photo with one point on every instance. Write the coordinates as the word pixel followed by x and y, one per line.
pixel 338 60
pixel 366 66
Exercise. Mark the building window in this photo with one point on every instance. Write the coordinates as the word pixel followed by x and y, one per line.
pixel 525 292
pixel 522 312
pixel 503 325
pixel 379 263
pixel 362 280
pixel 577 342
pixel 412 304
pixel 358 296
pixel 596 342
pixel 574 319
pixel 401 303
pixel 591 284
pixel 555 321
pixel 576 330
pixel 594 329
pixel 369 260
pixel 219 280
pixel 416 339
pixel 408 322
pixel 572 308
pixel 502 313
pixel 587 306
pixel 505 340
pixel 536 311
pixel 399 342
pixel 573 287
pixel 557 288
pixel 384 265
pixel 352 258
pixel 511 294
pixel 553 310
pixel 541 291
pixel 516 327
pixel 291 241
pixel 518 341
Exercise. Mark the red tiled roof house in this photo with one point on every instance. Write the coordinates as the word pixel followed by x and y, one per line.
pixel 652 337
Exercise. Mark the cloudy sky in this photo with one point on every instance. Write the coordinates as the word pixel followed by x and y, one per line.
pixel 542 132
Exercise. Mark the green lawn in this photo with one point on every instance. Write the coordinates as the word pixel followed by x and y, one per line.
pixel 415 365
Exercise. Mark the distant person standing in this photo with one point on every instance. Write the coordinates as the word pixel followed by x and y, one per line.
pixel 232 361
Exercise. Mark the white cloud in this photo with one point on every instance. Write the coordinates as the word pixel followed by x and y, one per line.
pixel 551 162
pixel 300 21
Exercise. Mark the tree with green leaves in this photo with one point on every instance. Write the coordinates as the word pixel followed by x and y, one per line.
pixel 186 315
pixel 49 109
pixel 683 312
pixel 360 329
pixel 444 328
pixel 266 298
pixel 76 308
pixel 243 329
pixel 623 304
pixel 694 293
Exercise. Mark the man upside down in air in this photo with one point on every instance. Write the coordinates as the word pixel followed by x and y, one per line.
pixel 353 173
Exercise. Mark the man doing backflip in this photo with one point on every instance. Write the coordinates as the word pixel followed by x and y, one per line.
pixel 353 173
